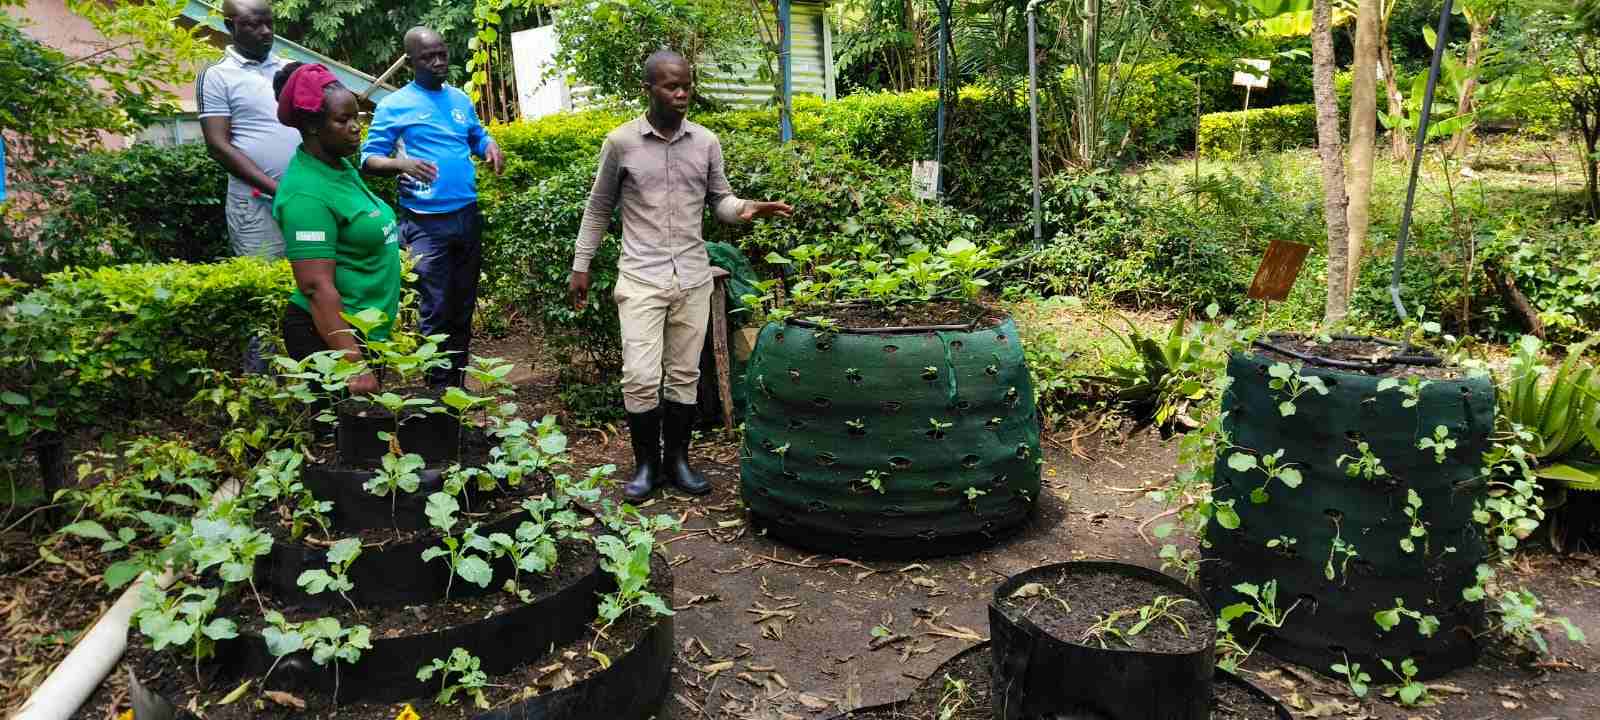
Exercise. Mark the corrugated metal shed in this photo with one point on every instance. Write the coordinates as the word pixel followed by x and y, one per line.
pixel 813 63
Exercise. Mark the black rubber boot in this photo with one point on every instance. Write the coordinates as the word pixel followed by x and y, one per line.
pixel 645 429
pixel 675 433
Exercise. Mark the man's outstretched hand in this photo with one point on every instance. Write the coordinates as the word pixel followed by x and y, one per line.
pixel 759 209
pixel 578 288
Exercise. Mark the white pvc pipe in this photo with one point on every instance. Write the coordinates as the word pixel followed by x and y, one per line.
pixel 98 650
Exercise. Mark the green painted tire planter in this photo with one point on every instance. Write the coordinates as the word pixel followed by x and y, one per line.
pixel 827 408
pixel 1335 617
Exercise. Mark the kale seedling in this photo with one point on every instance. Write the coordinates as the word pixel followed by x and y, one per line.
pixel 469 680
pixel 458 551
pixel 340 557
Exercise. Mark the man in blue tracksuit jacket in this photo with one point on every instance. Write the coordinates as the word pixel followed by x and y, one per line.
pixel 440 221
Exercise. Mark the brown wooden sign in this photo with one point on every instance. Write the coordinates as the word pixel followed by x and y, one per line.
pixel 1279 268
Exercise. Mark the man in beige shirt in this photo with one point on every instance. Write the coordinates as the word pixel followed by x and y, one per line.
pixel 663 170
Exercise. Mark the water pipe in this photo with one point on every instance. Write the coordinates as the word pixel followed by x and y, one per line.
pixel 1439 40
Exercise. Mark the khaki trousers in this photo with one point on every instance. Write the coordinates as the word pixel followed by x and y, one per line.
pixel 663 330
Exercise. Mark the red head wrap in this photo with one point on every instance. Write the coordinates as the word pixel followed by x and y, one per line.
pixel 303 91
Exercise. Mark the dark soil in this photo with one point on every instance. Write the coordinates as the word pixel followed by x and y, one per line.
pixel 1074 602
pixel 361 407
pixel 970 700
pixel 576 559
pixel 1231 701
pixel 555 669
pixel 1368 353
pixel 911 316
pixel 485 508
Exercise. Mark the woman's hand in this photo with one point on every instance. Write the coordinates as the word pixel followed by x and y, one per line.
pixel 364 384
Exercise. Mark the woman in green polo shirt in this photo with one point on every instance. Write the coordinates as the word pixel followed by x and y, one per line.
pixel 341 240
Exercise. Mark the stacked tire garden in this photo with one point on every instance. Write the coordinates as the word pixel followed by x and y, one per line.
pixel 1353 474
pixel 446 566
pixel 877 441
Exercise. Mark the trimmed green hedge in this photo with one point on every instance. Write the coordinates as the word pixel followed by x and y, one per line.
pixel 1269 129
pixel 91 339
pixel 143 204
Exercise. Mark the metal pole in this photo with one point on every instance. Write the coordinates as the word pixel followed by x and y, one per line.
pixel 1439 40
pixel 786 61
pixel 1033 120
pixel 944 52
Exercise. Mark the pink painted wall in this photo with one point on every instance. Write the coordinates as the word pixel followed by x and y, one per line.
pixel 50 22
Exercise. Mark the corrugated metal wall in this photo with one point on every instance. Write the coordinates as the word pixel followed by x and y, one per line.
pixel 813 64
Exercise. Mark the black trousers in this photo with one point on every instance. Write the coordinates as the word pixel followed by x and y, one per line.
pixel 300 336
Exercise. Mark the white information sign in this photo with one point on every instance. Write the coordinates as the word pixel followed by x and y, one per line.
pixel 1252 79
pixel 925 179
pixel 539 92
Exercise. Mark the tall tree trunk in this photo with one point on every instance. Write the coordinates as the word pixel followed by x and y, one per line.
pixel 1399 144
pixel 1363 135
pixel 1331 148
pixel 1464 104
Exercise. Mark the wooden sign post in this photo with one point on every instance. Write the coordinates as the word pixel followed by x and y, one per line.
pixel 1249 81
pixel 1276 274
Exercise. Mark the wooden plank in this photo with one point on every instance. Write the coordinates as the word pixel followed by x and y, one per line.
pixel 719 345
pixel 1279 268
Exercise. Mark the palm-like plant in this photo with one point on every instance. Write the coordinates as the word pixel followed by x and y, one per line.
pixel 1557 420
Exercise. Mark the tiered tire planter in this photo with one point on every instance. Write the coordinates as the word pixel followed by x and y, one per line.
pixel 516 642
pixel 1334 617
pixel 1028 670
pixel 942 416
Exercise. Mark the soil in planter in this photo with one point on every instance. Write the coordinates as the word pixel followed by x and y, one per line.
pixel 175 681
pixel 475 447
pixel 1076 601
pixel 946 312
pixel 1356 351
pixel 486 508
pixel 576 558
pixel 564 666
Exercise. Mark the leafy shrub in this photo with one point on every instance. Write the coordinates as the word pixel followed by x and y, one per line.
pixel 528 246
pixel 88 339
pixel 143 204
pixel 1159 107
pixel 843 200
pixel 1269 129
pixel 1149 243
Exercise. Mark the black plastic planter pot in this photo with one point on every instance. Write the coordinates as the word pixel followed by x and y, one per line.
pixel 384 576
pixel 388 672
pixel 1331 511
pixel 890 443
pixel 1036 674
pixel 434 436
pixel 356 509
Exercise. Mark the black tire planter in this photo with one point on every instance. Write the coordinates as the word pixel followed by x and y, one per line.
pixel 356 509
pixel 388 671
pixel 386 576
pixel 1036 674
pixel 434 436
pixel 633 688
pixel 841 404
pixel 1335 618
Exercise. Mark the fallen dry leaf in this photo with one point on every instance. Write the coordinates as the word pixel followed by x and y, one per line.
pixel 285 699
pixel 814 703
pixel 1029 590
